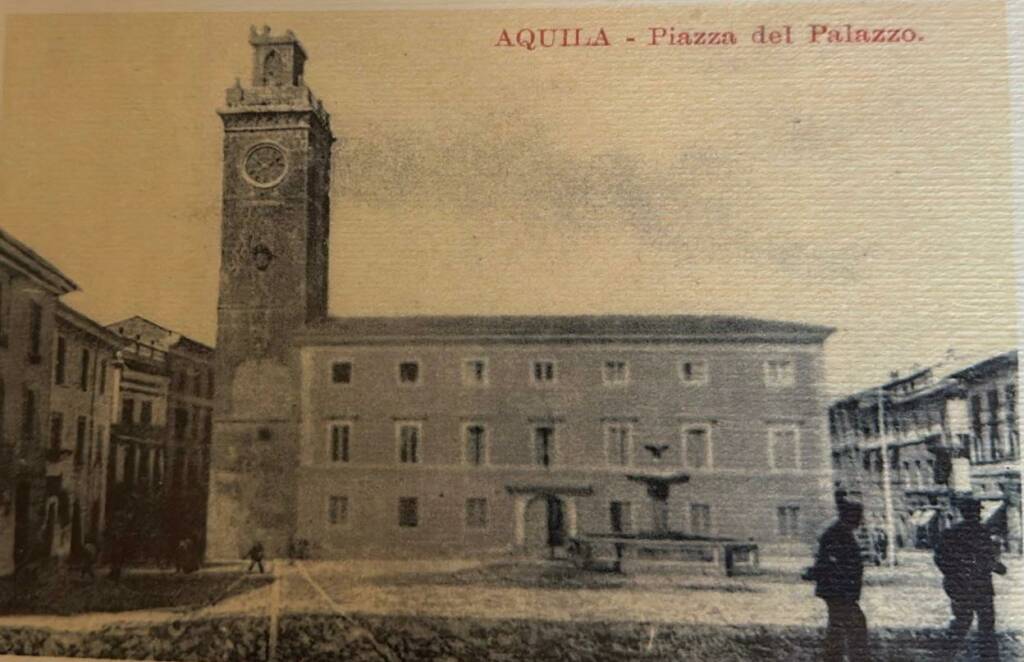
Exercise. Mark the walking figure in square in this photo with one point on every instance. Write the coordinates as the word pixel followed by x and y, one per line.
pixel 255 556
pixel 838 571
pixel 89 555
pixel 967 556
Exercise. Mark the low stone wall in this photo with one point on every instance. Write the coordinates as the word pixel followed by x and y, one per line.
pixel 329 638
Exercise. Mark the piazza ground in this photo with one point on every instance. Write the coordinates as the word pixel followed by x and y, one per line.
pixel 510 609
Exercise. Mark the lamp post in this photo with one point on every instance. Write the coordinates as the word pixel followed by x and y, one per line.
pixel 890 528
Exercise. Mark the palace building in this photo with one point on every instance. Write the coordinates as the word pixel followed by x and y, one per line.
pixel 428 435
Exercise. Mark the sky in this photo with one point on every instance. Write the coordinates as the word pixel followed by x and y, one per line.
pixel 865 187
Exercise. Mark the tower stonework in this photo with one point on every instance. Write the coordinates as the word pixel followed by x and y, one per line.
pixel 273 281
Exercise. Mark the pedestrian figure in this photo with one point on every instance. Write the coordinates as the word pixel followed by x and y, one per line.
pixel 967 556
pixel 839 572
pixel 88 560
pixel 255 556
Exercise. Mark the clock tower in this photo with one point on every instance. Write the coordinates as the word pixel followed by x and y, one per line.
pixel 273 281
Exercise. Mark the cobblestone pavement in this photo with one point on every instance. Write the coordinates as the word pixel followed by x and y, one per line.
pixel 908 596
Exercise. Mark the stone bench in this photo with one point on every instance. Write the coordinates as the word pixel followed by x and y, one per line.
pixel 640 554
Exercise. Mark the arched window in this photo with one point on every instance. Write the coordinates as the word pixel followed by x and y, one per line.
pixel 272 69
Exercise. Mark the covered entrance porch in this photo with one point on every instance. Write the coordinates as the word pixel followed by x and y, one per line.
pixel 545 515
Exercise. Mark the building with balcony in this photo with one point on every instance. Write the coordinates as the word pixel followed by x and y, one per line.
pixel 947 430
pixel 158 477
pixel 30 287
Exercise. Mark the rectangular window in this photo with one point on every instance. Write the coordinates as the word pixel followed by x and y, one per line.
pixel 30 414
pixel 779 372
pixel 409 372
pixel 475 436
pixel 143 465
pixel 337 511
pixel 180 423
pixel 543 372
pixel 619 444
pixel 89 439
pixel 178 468
pixel 476 513
pixel 621 515
pixel 56 431
pixel 194 420
pixel 474 372
pixel 784 448
pixel 103 376
pixel 128 411
pixel 60 370
pixel 408 512
pixel 700 519
pixel 693 371
pixel 35 332
pixel 341 372
pixel 993 403
pixel 788 521
pixel 409 443
pixel 341 436
pixel 544 445
pixel 615 372
pixel 83 373
pixel 146 412
pixel 80 441
pixel 101 436
pixel 696 448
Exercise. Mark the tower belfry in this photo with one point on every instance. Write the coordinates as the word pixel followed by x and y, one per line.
pixel 273 281
pixel 277 60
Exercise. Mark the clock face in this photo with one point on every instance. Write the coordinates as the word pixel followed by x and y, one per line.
pixel 265 165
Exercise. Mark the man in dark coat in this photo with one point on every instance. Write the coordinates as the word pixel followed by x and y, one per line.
pixel 839 572
pixel 967 556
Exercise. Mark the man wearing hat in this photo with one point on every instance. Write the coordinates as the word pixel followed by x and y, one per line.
pixel 839 573
pixel 967 556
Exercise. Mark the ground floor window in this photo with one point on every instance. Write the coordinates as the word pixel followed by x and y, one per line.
pixel 337 510
pixel 700 519
pixel 408 512
pixel 476 513
pixel 621 514
pixel 788 521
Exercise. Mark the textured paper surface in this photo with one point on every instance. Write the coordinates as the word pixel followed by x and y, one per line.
pixel 868 187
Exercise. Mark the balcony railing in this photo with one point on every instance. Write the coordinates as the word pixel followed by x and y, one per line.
pixel 144 351
pixel 139 430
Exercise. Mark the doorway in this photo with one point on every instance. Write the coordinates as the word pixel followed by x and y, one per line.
pixel 545 524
